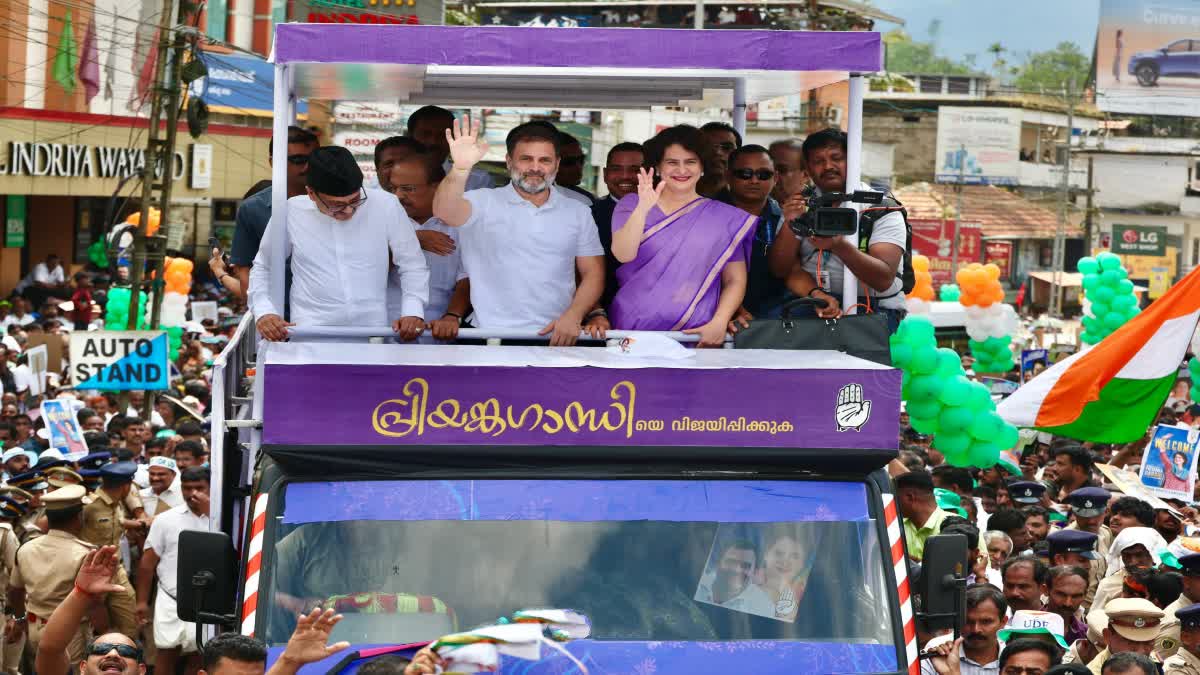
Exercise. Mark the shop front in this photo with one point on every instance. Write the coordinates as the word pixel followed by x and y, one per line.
pixel 65 178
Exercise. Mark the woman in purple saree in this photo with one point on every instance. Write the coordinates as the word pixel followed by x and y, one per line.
pixel 684 256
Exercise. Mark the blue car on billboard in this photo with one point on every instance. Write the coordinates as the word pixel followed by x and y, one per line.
pixel 1180 58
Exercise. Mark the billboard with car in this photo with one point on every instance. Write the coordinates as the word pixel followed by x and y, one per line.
pixel 1148 57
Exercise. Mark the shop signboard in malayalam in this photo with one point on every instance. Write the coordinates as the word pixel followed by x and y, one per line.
pixel 1000 254
pixel 932 237
pixel 978 146
pixel 1146 57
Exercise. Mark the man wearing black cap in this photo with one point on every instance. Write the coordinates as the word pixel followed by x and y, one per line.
pixel 1186 661
pixel 337 236
pixel 1169 631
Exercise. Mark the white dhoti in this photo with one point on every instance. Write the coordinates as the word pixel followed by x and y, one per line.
pixel 169 630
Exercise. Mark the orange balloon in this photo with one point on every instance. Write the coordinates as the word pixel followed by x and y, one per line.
pixel 965 299
pixel 992 271
pixel 920 263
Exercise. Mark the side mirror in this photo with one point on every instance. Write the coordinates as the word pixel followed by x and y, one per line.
pixel 943 576
pixel 207 574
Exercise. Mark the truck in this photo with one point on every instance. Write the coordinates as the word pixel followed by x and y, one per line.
pixel 725 512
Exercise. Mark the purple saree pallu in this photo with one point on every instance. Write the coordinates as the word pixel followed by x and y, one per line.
pixel 674 283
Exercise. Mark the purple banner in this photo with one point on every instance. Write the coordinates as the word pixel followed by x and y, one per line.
pixel 662 658
pixel 427 405
pixel 734 50
pixel 576 500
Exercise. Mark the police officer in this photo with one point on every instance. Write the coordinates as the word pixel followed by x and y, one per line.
pixel 1132 627
pixel 45 571
pixel 1071 547
pixel 34 484
pixel 104 522
pixel 1087 506
pixel 1186 660
pixel 11 511
pixel 26 501
pixel 62 476
pixel 1169 633
pixel 1026 492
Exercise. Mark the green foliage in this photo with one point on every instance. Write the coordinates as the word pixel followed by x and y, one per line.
pixel 905 55
pixel 1051 71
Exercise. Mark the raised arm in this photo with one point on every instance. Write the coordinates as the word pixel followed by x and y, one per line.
pixel 466 149
pixel 627 239
pixel 92 583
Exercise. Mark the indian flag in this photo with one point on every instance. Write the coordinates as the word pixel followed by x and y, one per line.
pixel 1113 392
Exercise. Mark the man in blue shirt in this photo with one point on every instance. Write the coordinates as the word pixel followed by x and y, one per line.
pixel 255 212
pixel 751 176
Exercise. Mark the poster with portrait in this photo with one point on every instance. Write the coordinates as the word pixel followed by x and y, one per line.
pixel 1169 462
pixel 759 568
pixel 65 432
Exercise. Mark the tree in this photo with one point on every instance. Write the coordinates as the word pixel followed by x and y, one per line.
pixel 1051 71
pixel 905 55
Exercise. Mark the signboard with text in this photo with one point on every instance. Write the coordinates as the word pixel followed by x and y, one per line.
pixel 1169 462
pixel 932 238
pixel 239 84
pixel 14 221
pixel 1139 240
pixel 399 12
pixel 1000 254
pixel 119 360
pixel 978 146
pixel 1146 57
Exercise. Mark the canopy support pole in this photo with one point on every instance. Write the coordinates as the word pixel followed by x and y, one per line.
pixel 854 125
pixel 285 106
pixel 739 106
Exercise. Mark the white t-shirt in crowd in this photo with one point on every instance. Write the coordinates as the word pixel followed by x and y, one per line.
pixel 888 230
pixel 164 541
pixel 42 274
pixel 340 268
pixel 445 271
pixel 172 497
pixel 521 258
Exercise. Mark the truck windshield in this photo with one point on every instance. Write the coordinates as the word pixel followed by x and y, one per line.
pixel 646 560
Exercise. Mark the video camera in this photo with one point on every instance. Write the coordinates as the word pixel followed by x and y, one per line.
pixel 824 219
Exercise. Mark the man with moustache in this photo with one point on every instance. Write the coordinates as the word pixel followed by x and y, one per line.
pixel 620 177
pixel 732 586
pixel 525 243
pixel 979 650
pixel 1068 585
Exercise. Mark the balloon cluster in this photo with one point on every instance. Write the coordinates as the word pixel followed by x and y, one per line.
pixel 116 314
pixel 941 401
pixel 152 223
pixel 1109 295
pixel 98 254
pixel 990 323
pixel 949 293
pixel 1194 370
pixel 922 293
pixel 177 279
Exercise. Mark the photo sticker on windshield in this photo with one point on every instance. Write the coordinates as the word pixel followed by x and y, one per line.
pixel 759 568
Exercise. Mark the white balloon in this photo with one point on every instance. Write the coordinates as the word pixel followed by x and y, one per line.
pixel 917 306
pixel 974 312
pixel 976 333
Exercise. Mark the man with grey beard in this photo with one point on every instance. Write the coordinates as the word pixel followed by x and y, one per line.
pixel 522 244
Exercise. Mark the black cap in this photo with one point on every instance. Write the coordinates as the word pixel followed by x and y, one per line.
pixel 1189 617
pixel 1073 541
pixel 1026 491
pixel 333 171
pixel 1088 501
pixel 1189 565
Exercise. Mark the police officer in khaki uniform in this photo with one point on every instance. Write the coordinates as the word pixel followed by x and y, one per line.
pixel 104 522
pixel 26 501
pixel 1132 627
pixel 1087 506
pixel 11 510
pixel 45 571
pixel 62 476
pixel 34 484
pixel 1168 634
pixel 1186 661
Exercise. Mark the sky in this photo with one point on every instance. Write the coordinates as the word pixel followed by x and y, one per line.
pixel 969 26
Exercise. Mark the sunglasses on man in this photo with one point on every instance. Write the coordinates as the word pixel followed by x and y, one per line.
pixel 747 174
pixel 124 651
pixel 298 160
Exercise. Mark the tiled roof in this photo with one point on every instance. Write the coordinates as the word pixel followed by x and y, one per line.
pixel 1001 213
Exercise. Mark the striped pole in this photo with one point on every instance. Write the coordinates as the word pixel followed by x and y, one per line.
pixel 253 564
pixel 900 563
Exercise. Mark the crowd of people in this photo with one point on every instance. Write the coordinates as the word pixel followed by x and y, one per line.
pixel 691 236
pixel 1065 573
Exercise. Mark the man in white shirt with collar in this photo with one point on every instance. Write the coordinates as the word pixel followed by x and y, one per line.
pixel 414 180
pixel 430 125
pixel 522 244
pixel 164 492
pixel 339 238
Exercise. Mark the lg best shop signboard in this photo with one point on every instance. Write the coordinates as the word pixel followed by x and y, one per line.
pixel 1139 239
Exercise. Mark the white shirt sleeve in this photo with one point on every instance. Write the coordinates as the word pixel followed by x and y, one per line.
pixel 156 540
pixel 258 296
pixel 889 230
pixel 409 260
pixel 588 243
pixel 41 275
pixel 57 276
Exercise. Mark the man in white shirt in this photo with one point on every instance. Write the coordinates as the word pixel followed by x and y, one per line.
pixel 522 244
pixel 172 636
pixel 429 126
pixel 339 236
pixel 414 181
pixel 165 491
pixel 731 584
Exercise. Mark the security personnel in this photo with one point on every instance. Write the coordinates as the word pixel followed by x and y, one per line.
pixel 11 511
pixel 34 484
pixel 1169 635
pixel 46 567
pixel 1026 492
pixel 62 476
pixel 1186 660
pixel 1071 547
pixel 104 522
pixel 1087 506
pixel 1132 626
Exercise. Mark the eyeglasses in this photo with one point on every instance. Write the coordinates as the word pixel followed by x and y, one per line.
pixel 407 189
pixel 298 160
pixel 1018 670
pixel 340 208
pixel 572 161
pixel 124 651
pixel 747 174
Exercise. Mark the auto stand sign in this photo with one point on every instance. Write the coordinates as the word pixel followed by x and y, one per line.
pixel 119 360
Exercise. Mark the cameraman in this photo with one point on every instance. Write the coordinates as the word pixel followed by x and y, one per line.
pixel 877 268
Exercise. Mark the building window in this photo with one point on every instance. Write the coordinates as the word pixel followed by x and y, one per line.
pixel 930 85
pixel 958 85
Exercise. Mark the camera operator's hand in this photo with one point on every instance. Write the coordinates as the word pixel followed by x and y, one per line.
pixel 825 243
pixel 794 207
pixel 831 311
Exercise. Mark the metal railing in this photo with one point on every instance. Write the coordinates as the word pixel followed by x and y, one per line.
pixel 492 337
pixel 230 366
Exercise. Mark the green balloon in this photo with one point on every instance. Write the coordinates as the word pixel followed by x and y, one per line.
pixel 924 360
pixel 978 398
pixel 1091 282
pixel 1124 287
pixel 1194 368
pixel 949 363
pixel 1102 295
pixel 923 425
pixel 954 419
pixel 1122 273
pixel 1008 437
pixel 956 390
pixel 901 355
pixel 926 387
pixel 983 454
pixel 1123 303
pixel 928 408
pixel 1108 261
pixel 1114 320
pixel 1110 277
pixel 917 329
pixel 1132 312
pixel 949 293
pixel 952 443
pixel 1088 265
pixel 985 426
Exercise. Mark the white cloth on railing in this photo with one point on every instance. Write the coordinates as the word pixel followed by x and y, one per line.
pixel 340 268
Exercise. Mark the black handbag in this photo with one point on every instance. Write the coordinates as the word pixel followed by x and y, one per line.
pixel 861 335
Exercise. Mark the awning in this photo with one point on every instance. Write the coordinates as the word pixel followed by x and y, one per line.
pixel 1070 279
pixel 597 68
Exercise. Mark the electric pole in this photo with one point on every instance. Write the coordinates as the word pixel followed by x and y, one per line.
pixel 158 172
pixel 1060 232
pixel 958 213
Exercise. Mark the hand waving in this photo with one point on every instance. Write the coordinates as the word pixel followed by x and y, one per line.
pixel 466 147
pixel 852 411
pixel 308 643
pixel 96 573
pixel 648 195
